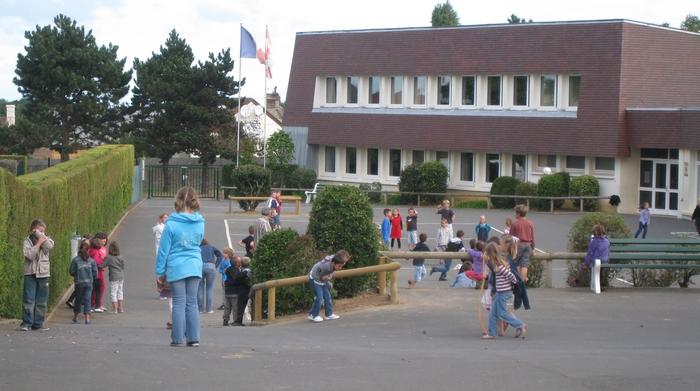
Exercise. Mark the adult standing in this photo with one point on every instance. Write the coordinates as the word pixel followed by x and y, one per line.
pixel 446 213
pixel 211 257
pixel 263 225
pixel 696 217
pixel 37 270
pixel 524 230
pixel 179 261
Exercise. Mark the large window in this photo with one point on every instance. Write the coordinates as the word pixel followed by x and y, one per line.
pixel 519 167
pixel 372 161
pixel 548 90
pixel 353 88
pixel 374 88
pixel 394 162
pixel 466 167
pixel 331 90
pixel 330 159
pixel 419 89
pixel 576 162
pixel 574 85
pixel 520 90
pixel 494 90
pixel 468 91
pixel 351 160
pixel 605 164
pixel 396 90
pixel 547 161
pixel 443 90
pixel 493 167
pixel 418 157
pixel 444 158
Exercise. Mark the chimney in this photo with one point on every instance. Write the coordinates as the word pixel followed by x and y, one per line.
pixel 273 100
pixel 10 109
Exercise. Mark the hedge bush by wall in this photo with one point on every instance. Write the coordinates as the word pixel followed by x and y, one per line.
pixel 504 185
pixel 250 180
pixel 585 185
pixel 526 189
pixel 426 177
pixel 87 194
pixel 554 185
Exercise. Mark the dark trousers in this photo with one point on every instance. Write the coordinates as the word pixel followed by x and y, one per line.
pixel 642 229
pixel 83 294
pixel 97 291
pixel 242 302
pixel 230 307
pixel 34 298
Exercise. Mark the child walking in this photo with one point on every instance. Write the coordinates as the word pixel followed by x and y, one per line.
pixel 412 228
pixel 84 271
pixel 504 281
pixel 116 277
pixel 396 227
pixel 482 229
pixel 320 278
pixel 419 263
pixel 644 217
pixel 230 294
pixel 248 242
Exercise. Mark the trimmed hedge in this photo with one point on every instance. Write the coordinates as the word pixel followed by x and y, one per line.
pixel 585 185
pixel 250 180
pixel 504 185
pixel 555 185
pixel 426 177
pixel 526 189
pixel 86 194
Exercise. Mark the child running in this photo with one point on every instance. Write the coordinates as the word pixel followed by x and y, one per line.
pixel 396 227
pixel 116 277
pixel 84 271
pixel 504 281
pixel 419 263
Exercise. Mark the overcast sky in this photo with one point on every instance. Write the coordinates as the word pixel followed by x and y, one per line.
pixel 139 27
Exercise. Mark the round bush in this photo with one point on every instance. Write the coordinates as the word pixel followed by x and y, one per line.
pixel 554 185
pixel 525 189
pixel 302 178
pixel 585 185
pixel 250 180
pixel 426 177
pixel 373 190
pixel 341 218
pixel 410 181
pixel 504 185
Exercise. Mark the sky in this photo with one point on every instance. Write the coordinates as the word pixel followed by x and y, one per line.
pixel 139 27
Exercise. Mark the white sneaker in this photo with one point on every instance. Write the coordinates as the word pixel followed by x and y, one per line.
pixel 316 319
pixel 332 317
pixel 99 310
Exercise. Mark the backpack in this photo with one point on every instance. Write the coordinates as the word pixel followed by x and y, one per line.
pixel 454 246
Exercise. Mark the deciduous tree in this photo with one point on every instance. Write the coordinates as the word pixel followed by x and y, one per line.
pixel 444 15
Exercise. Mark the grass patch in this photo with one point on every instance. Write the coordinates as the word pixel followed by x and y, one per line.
pixel 472 204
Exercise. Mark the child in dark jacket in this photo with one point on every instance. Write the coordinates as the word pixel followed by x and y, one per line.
pixel 84 271
pixel 320 278
pixel 230 294
pixel 241 286
pixel 419 263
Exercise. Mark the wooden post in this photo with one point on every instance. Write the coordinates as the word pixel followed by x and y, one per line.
pixel 488 203
pixel 381 277
pixel 258 305
pixel 581 205
pixel 551 206
pixel 394 287
pixel 271 304
pixel 298 206
pixel 384 197
pixel 419 200
pixel 527 201
pixel 548 274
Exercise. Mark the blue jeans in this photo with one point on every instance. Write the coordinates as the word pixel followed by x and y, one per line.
pixel 83 296
pixel 499 311
pixel 185 310
pixel 321 296
pixel 34 299
pixel 443 268
pixel 412 237
pixel 207 282
pixel 418 273
pixel 642 229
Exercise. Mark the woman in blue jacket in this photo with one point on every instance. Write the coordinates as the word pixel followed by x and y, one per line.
pixel 179 260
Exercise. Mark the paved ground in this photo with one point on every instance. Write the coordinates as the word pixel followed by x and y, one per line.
pixel 624 339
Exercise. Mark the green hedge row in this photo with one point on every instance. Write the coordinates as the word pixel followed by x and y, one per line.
pixel 87 194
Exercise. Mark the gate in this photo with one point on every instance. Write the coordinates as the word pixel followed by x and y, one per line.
pixel 165 181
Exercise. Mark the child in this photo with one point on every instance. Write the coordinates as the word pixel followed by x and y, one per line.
pixel 319 279
pixel 241 287
pixel 446 213
pixel 98 252
pixel 230 296
pixel 386 226
pixel 509 222
pixel 412 228
pixel 644 217
pixel 504 281
pixel 598 248
pixel 274 205
pixel 461 280
pixel 224 264
pixel 455 244
pixel 70 302
pixel 116 277
pixel 278 209
pixel 396 227
pixel 482 229
pixel 444 235
pixel 248 242
pixel 157 233
pixel 419 263
pixel 476 252
pixel 165 291
pixel 84 271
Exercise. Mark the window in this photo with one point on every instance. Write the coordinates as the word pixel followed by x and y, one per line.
pixel 655 153
pixel 396 90
pixel 547 161
pixel 418 157
pixel 353 87
pixel 372 161
pixel 574 85
pixel 468 91
pixel 419 85
pixel 394 162
pixel 518 167
pixel 374 87
pixel 443 90
pixel 548 90
pixel 493 166
pixel 576 162
pixel 605 164
pixel 520 90
pixel 444 158
pixel 351 160
pixel 494 90
pixel 330 159
pixel 466 167
pixel 331 90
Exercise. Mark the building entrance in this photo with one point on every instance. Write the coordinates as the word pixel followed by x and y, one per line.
pixel 658 180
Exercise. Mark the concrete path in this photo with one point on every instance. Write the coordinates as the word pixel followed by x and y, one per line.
pixel 624 339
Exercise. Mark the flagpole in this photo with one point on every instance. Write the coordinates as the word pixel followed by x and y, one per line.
pixel 240 90
pixel 265 106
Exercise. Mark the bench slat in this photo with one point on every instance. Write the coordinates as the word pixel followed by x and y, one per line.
pixel 656 248
pixel 654 257
pixel 649 266
pixel 653 241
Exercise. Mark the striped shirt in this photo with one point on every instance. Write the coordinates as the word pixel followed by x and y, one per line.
pixel 504 279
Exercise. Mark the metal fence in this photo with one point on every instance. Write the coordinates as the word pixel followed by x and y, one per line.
pixel 165 181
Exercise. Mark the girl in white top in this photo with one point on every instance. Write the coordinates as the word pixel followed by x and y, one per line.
pixel 158 229
pixel 444 235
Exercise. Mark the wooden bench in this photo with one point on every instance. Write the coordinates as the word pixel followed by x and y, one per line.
pixel 318 187
pixel 675 254
pixel 295 199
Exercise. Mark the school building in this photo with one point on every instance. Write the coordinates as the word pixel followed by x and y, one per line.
pixel 616 99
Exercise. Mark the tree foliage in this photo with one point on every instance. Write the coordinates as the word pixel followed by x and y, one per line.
pixel 515 19
pixel 249 180
pixel 426 177
pixel 504 185
pixel 444 15
pixel 691 23
pixel 72 87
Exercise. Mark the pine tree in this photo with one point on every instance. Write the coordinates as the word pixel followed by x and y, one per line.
pixel 444 15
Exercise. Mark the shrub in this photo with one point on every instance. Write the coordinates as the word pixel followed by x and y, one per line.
pixel 341 218
pixel 426 177
pixel 535 273
pixel 99 181
pixel 585 185
pixel 472 204
pixel 302 178
pixel 580 236
pixel 526 189
pixel 555 185
pixel 282 254
pixel 504 185
pixel 410 181
pixel 373 190
pixel 250 180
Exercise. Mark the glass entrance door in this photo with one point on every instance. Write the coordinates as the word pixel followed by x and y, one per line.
pixel 658 185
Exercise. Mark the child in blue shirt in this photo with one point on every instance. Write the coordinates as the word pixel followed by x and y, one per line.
pixel 224 264
pixel 482 229
pixel 386 227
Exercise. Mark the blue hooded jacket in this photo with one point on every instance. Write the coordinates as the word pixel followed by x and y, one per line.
pixel 179 255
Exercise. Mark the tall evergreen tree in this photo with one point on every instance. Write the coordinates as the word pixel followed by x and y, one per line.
pixel 72 87
pixel 444 15
pixel 515 19
pixel 691 23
